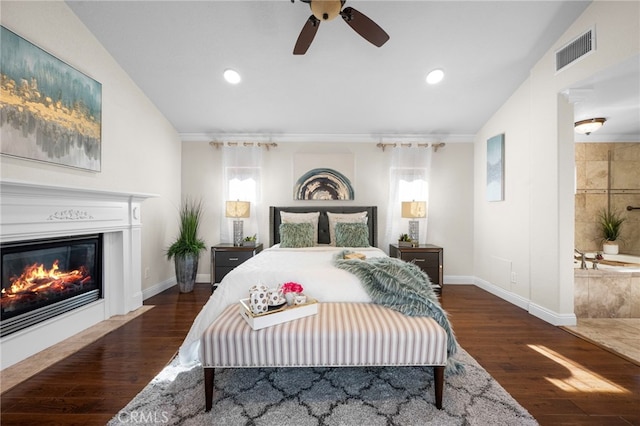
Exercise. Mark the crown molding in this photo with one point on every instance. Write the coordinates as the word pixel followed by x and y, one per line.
pixel 324 138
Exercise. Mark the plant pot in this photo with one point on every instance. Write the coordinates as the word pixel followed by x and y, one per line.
pixel 405 244
pixel 248 244
pixel 610 247
pixel 186 270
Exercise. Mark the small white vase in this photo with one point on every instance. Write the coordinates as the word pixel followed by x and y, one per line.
pixel 610 247
pixel 290 298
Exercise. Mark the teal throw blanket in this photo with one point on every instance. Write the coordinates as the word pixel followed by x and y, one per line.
pixel 403 287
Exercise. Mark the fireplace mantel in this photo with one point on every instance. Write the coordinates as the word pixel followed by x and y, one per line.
pixel 30 211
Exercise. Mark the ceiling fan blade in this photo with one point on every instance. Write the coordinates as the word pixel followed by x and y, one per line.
pixel 306 36
pixel 364 26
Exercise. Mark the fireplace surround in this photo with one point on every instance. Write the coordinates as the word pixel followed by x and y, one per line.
pixel 31 212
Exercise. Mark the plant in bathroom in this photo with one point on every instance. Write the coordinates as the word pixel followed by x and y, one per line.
pixel 610 226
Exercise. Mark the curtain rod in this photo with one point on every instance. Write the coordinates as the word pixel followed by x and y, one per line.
pixel 435 146
pixel 266 145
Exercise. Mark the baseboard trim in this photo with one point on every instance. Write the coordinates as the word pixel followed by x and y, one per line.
pixel 458 280
pixel 162 286
pixel 551 316
pixel 510 297
pixel 158 288
pixel 534 309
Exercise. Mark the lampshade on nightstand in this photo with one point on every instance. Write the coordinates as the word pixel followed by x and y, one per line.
pixel 237 210
pixel 414 210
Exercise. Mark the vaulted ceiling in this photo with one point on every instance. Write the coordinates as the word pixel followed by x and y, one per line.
pixel 176 51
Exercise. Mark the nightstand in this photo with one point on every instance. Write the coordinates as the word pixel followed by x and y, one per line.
pixel 225 257
pixel 427 256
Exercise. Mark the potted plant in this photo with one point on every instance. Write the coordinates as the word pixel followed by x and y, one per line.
pixel 250 241
pixel 186 249
pixel 610 224
pixel 404 240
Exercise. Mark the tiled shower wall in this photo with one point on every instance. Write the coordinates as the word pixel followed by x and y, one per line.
pixel 593 192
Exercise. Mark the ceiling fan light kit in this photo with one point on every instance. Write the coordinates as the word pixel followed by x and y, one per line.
pixel 326 10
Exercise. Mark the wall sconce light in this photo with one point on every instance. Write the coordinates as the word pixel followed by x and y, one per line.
pixel 589 126
pixel 237 210
pixel 414 210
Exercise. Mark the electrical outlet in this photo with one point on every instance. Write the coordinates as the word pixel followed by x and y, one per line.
pixel 514 278
pixel 147 273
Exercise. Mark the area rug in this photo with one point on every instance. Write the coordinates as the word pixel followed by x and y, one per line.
pixel 324 396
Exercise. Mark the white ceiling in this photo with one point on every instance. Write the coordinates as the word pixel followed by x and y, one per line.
pixel 176 51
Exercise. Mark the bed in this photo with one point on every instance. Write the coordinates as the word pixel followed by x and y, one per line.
pixel 314 267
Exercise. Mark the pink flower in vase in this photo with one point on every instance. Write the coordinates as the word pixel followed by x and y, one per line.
pixel 290 290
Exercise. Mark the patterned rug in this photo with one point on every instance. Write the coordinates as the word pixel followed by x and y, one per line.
pixel 325 396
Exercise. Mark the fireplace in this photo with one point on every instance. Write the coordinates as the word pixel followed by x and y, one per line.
pixel 45 278
pixel 39 219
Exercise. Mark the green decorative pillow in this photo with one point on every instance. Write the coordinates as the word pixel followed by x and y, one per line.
pixel 296 235
pixel 352 234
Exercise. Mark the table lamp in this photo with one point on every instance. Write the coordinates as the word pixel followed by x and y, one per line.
pixel 237 210
pixel 414 210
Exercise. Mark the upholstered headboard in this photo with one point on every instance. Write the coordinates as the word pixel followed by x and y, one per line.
pixel 323 223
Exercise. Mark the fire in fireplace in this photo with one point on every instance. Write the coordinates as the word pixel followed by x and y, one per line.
pixel 43 279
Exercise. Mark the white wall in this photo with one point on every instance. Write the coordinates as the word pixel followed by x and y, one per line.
pixel 532 230
pixel 501 229
pixel 140 148
pixel 450 204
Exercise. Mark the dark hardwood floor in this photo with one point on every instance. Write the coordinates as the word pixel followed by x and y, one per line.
pixel 559 378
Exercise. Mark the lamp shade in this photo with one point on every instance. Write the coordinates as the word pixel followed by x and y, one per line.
pixel 237 209
pixel 586 127
pixel 414 209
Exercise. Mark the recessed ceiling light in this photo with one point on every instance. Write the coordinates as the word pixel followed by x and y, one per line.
pixel 232 76
pixel 435 76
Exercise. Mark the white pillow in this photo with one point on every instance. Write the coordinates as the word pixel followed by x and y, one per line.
pixel 360 217
pixel 312 218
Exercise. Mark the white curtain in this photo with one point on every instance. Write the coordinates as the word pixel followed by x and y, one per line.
pixel 242 181
pixel 408 181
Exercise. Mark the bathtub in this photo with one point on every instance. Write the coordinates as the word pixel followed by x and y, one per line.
pixel 611 291
pixel 634 262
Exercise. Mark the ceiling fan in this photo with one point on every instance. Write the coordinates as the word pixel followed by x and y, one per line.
pixel 326 10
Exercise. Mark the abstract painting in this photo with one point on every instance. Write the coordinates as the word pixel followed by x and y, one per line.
pixel 319 178
pixel 49 111
pixel 495 168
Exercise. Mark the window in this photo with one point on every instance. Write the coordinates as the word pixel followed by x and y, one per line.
pixel 242 181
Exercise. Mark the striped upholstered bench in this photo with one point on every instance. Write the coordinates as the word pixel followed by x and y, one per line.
pixel 339 335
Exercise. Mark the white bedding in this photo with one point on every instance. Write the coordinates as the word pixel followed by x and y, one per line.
pixel 311 267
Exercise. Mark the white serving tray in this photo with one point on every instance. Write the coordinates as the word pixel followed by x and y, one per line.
pixel 284 314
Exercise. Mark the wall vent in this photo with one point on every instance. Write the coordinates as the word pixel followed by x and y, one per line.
pixel 575 49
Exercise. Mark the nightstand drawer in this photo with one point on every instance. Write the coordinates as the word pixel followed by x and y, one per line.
pixel 426 256
pixel 232 258
pixel 225 257
pixel 428 262
pixel 423 260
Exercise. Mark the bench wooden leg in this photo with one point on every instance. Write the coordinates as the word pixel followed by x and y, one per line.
pixel 208 388
pixel 438 379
